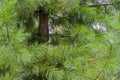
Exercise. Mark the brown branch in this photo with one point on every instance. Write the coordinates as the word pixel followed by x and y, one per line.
pixel 59 35
pixel 98 5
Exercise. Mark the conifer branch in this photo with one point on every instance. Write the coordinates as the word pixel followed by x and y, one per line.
pixel 99 74
pixel 108 4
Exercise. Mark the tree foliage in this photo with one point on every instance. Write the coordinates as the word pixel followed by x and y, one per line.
pixel 79 52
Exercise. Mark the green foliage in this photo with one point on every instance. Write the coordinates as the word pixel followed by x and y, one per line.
pixel 83 54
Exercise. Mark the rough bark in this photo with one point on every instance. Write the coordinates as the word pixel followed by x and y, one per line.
pixel 43 27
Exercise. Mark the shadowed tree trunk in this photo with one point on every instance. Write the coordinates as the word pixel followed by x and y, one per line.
pixel 43 27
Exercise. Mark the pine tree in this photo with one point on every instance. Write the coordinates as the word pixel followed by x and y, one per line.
pixel 84 51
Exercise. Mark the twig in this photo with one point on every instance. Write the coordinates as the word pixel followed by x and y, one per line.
pixel 8 35
pixel 99 74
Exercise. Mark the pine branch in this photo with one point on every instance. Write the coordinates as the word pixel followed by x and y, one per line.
pixel 94 59
pixel 86 77
pixel 8 34
pixel 98 5
pixel 99 74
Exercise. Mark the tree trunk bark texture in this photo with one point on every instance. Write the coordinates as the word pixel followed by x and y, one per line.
pixel 43 27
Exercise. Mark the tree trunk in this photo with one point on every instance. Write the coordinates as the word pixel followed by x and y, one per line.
pixel 43 27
